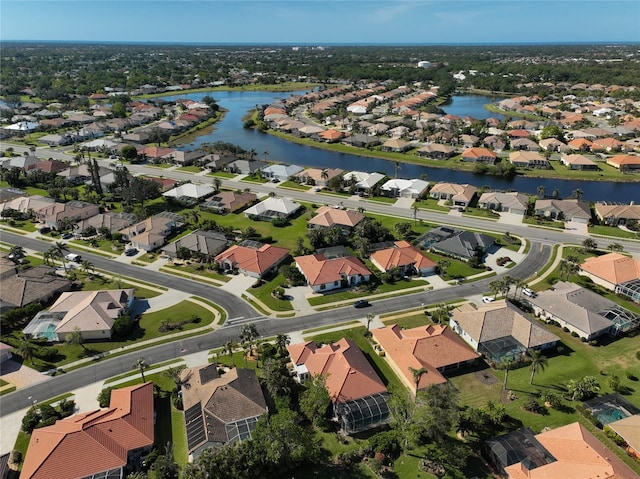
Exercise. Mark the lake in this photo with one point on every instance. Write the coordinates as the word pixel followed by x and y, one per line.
pixel 238 103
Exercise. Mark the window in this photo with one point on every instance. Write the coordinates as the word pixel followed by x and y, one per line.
pixel 323 286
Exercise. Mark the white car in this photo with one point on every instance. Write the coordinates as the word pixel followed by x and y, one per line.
pixel 529 292
pixel 487 299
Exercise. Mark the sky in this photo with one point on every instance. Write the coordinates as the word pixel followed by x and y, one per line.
pixel 323 21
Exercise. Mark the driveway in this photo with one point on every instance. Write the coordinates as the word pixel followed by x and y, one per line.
pixel 510 218
pixel 404 203
pixel 576 228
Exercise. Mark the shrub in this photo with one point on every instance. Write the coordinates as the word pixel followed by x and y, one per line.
pixel 16 456
pixel 574 334
pixel 385 442
pixel 532 405
pixel 565 329
pixel 630 376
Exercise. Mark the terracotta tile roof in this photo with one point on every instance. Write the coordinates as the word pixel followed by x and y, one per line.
pixel 331 135
pixel 615 268
pixel 500 319
pixel 320 270
pixel 95 441
pixel 403 254
pixel 156 152
pixel 430 347
pixel 623 160
pixel 478 152
pixel 254 260
pixel 349 375
pixel 578 454
pixel 316 174
pixel 328 216
pixel 580 143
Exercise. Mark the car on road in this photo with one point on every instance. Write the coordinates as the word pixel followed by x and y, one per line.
pixel 130 252
pixel 76 258
pixel 487 299
pixel 361 303
pixel 529 292
pixel 317 188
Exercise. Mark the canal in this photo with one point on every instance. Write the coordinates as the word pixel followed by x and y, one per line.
pixel 238 103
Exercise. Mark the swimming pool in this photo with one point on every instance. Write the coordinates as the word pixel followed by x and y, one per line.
pixel 608 413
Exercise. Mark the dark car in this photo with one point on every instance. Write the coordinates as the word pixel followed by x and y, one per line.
pixel 361 303
pixel 67 236
pixel 131 252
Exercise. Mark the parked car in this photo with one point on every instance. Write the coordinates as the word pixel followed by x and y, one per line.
pixel 529 292
pixel 361 303
pixel 76 258
pixel 130 252
pixel 67 236
pixel 487 299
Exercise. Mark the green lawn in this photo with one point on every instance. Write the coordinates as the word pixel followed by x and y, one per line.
pixel 100 282
pixel 481 213
pixel 263 293
pixel 409 322
pixel 222 174
pixel 294 186
pixel 382 199
pixel 431 204
pixel 456 267
pixel 189 169
pixel 538 221
pixel 103 245
pixel 359 293
pixel 255 179
pixel 195 268
pixel 613 231
pixel 160 165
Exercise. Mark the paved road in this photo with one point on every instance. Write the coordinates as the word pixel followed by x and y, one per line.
pixel 106 368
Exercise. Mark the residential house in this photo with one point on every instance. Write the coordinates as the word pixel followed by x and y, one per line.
pixel 218 409
pixel 38 284
pixel 395 145
pixel 568 451
pixel 399 187
pixel 228 202
pixel 184 158
pixel 76 175
pixel 614 215
pixel 165 184
pixel 252 258
pixel 528 159
pixel 499 330
pixel 20 162
pixel 272 208
pixel 156 153
pixel 56 140
pixel 152 232
pixel 358 395
pixel 625 163
pixel 281 172
pixel 616 272
pixel 578 162
pixel 217 162
pixel 436 151
pixel 629 430
pixel 54 215
pixel 553 144
pixel 479 155
pixel 323 274
pixel 525 144
pixel 582 311
pixel 362 180
pixel 114 222
pixel 459 195
pixel 359 140
pixel 327 216
pixel 27 204
pixel 48 166
pixel 319 177
pixel 469 141
pixel 100 443
pixel 91 313
pixel 246 167
pixel 190 192
pixel 405 257
pixel 205 244
pixel 8 193
pixel 331 136
pixel 436 348
pixel 511 202
pixel 463 245
pixel 564 210
pixel 607 144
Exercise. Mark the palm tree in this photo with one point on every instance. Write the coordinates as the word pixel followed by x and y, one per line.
pixel 443 264
pixel 540 191
pixel 396 167
pixel 60 249
pixel 47 257
pixel 556 193
pixel 615 247
pixel 75 338
pixel 141 365
pixel 282 341
pixel 538 362
pixel 265 153
pixel 16 253
pixel 417 374
pixel 506 363
pixel 228 348
pixel 495 287
pixel 415 208
pixel 577 193
pixel 195 217
pixel 88 266
pixel 175 374
pixel 370 317
pixel 216 183
pixel 324 174
pixel 27 350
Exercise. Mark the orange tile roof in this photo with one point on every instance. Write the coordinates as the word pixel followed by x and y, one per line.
pixel 477 152
pixel 331 134
pixel 579 143
pixel 254 260
pixel 328 216
pixel 95 441
pixel 320 270
pixel 403 254
pixel 430 347
pixel 578 454
pixel 620 160
pixel 615 268
pixel 349 375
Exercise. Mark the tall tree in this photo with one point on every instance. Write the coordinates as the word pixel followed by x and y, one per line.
pixel 27 350
pixel 140 365
pixel 60 249
pixel 417 375
pixel 315 400
pixel 75 338
pixel 282 341
pixel 538 362
pixel 228 348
